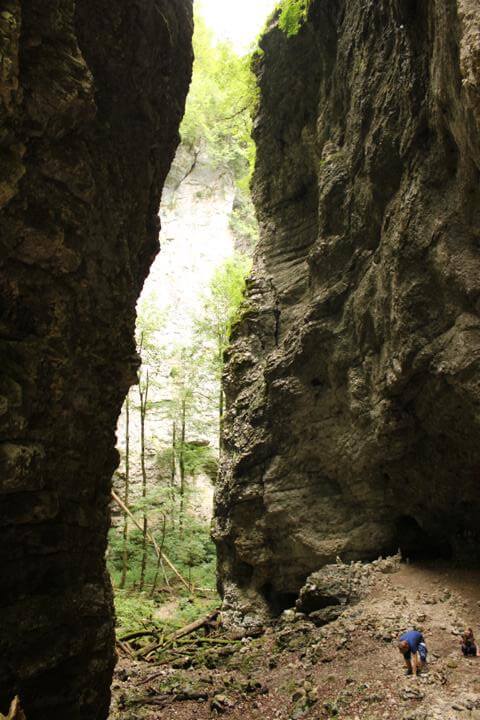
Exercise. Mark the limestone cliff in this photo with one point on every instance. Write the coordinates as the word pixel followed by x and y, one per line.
pixel 354 378
pixel 91 96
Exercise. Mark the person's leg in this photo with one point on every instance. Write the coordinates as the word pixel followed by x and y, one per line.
pixel 408 664
pixel 415 663
pixel 422 656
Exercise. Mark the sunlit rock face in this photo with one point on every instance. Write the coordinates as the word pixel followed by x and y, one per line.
pixel 354 378
pixel 91 97
pixel 196 209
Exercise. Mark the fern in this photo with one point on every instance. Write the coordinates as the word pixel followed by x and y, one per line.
pixel 293 14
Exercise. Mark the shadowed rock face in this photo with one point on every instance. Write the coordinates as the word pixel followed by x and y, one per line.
pixel 91 97
pixel 353 380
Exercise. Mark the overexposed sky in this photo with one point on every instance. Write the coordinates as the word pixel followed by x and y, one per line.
pixel 239 21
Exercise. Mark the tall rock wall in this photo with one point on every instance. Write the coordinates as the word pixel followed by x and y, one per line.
pixel 354 378
pixel 91 96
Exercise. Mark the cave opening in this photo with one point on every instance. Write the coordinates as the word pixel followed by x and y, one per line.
pixel 278 601
pixel 417 545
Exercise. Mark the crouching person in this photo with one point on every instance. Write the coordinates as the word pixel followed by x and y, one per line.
pixel 412 646
pixel 469 646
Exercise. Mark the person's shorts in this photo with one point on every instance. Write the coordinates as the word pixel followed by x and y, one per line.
pixel 423 652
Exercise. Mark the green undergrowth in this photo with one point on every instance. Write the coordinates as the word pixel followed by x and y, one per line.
pixel 137 612
pixel 191 551
pixel 159 605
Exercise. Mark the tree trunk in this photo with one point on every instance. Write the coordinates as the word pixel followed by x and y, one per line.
pixel 221 403
pixel 158 552
pixel 123 579
pixel 143 413
pixel 221 398
pixel 159 558
pixel 181 462
pixel 173 473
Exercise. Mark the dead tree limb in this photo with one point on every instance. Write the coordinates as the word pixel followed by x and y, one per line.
pixel 140 634
pixel 158 552
pixel 187 630
pixel 126 649
pixel 197 625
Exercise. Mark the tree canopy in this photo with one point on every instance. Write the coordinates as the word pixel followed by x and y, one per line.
pixel 222 94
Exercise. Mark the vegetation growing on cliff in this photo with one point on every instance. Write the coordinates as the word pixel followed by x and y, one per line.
pixel 218 114
pixel 218 120
pixel 293 14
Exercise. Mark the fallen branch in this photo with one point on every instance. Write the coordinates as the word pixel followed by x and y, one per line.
pixel 171 657
pixel 165 698
pixel 126 649
pixel 135 635
pixel 187 630
pixel 159 701
pixel 197 625
pixel 161 555
pixel 153 677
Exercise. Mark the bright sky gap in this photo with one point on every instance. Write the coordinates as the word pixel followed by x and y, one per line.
pixel 238 22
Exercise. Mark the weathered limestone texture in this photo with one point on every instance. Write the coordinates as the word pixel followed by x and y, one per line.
pixel 91 96
pixel 354 378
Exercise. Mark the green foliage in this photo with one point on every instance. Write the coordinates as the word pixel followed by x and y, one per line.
pixel 193 554
pixel 191 608
pixel 221 97
pixel 222 304
pixel 293 14
pixel 133 611
pixel 150 321
pixel 200 460
pixel 189 399
pixel 243 222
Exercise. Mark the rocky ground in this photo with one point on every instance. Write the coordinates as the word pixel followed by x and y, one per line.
pixel 349 669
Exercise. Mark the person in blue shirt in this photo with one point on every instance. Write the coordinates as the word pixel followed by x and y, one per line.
pixel 412 646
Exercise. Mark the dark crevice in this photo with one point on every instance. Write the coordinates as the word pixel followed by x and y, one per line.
pixel 418 545
pixel 278 601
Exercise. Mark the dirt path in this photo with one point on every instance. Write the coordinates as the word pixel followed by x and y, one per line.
pixel 350 669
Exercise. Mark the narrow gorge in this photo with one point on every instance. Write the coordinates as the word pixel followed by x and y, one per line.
pixel 352 381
